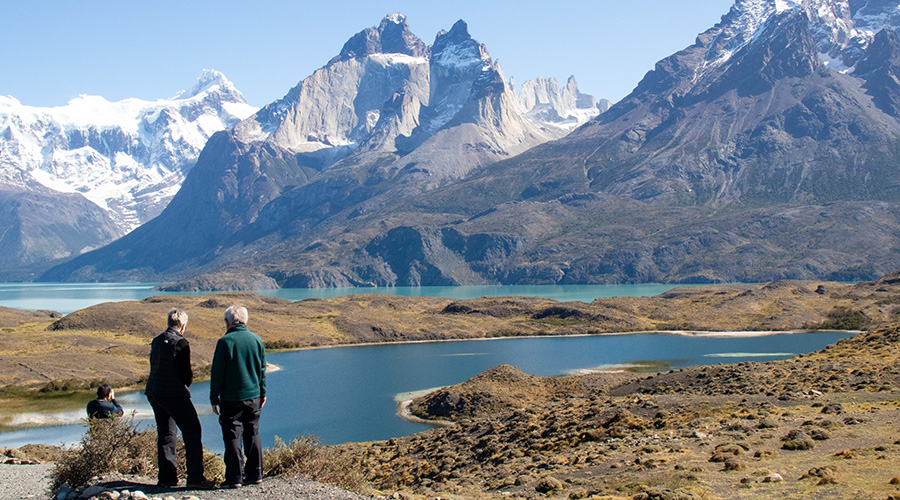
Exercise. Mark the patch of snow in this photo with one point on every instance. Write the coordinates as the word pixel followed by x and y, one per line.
pixel 394 59
pixel 834 63
pixel 395 18
pixel 460 56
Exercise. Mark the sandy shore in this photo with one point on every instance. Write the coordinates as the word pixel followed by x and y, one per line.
pixel 403 411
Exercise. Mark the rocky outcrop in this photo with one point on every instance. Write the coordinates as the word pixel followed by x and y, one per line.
pixel 565 107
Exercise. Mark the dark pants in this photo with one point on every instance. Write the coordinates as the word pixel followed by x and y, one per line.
pixel 240 420
pixel 169 412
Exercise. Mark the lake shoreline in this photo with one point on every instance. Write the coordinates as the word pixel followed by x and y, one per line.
pixel 680 333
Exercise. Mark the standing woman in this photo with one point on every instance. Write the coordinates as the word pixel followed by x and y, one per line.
pixel 169 396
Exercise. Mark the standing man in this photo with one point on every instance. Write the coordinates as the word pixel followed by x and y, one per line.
pixel 238 386
pixel 105 406
pixel 167 391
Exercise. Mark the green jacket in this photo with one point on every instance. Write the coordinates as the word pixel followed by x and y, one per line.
pixel 238 367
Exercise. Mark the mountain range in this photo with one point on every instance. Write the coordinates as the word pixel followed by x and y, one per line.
pixel 767 149
pixel 78 176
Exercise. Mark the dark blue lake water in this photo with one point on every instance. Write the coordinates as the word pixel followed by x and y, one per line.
pixel 350 393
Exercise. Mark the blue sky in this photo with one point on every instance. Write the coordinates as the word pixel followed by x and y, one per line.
pixel 55 50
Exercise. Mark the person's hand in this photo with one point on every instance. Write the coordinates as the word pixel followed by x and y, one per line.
pixel 262 403
pixel 215 409
pixel 112 394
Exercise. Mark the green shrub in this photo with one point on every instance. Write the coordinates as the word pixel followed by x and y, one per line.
pixel 279 344
pixel 843 318
pixel 305 457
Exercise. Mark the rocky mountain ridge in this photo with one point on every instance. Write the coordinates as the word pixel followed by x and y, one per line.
pixel 368 128
pixel 748 156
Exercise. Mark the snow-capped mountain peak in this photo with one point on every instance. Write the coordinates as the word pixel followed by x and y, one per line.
pixel 457 48
pixel 128 157
pixel 209 80
pixel 841 29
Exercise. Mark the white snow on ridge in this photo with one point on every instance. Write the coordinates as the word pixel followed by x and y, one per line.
pixel 461 56
pixel 115 153
pixel 395 59
pixel 839 37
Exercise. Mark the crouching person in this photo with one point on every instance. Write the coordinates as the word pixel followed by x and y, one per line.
pixel 105 406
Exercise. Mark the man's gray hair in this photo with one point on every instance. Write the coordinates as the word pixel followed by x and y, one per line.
pixel 177 317
pixel 236 315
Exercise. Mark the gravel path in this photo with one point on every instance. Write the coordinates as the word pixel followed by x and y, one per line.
pixel 25 481
pixel 18 482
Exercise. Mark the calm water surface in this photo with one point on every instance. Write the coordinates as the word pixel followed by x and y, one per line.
pixel 350 393
pixel 68 297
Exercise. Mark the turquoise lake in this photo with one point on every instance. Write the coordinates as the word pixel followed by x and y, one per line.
pixel 351 393
pixel 68 297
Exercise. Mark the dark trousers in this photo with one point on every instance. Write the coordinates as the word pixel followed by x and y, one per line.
pixel 240 421
pixel 171 412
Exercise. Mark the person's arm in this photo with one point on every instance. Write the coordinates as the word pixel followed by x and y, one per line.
pixel 217 375
pixel 183 362
pixel 118 410
pixel 262 376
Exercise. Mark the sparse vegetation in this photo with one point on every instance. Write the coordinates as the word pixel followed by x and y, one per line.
pixel 119 445
pixel 304 456
pixel 844 318
pixel 109 445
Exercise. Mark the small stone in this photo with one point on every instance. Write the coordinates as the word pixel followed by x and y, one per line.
pixel 732 464
pixel 895 480
pixel 773 478
pixel 189 497
pixel 63 492
pixel 548 484
pixel 139 495
pixel 833 408
pixel 92 491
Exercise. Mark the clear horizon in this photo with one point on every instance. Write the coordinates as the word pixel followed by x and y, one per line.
pixel 60 50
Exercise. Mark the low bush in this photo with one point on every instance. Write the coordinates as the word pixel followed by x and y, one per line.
pixel 120 445
pixel 843 318
pixel 304 456
pixel 109 445
pixel 280 344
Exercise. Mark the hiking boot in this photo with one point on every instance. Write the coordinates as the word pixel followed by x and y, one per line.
pixel 206 484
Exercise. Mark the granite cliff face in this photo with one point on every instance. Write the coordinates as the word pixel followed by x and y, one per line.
pixel 565 107
pixel 387 119
pixel 762 151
